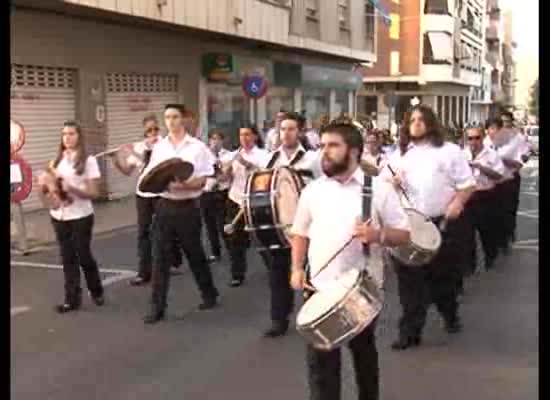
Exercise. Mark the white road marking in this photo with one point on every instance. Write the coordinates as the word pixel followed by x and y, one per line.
pixel 120 274
pixel 18 310
pixel 527 241
pixel 534 248
pixel 529 214
pixel 531 193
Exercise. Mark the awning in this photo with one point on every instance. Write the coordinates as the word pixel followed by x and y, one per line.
pixel 442 46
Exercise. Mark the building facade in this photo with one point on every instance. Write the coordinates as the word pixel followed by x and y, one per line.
pixel 109 63
pixel 431 52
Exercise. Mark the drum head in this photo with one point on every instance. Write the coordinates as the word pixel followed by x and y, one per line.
pixel 21 182
pixel 286 199
pixel 17 136
pixel 158 178
pixel 325 300
pixel 423 231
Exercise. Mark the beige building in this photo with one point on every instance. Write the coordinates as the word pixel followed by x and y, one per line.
pixel 432 52
pixel 108 63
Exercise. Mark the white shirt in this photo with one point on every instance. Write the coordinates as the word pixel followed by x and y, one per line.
pixel 380 160
pixel 310 161
pixel 189 149
pixel 79 208
pixel 489 158
pixel 223 156
pixel 431 175
pixel 327 213
pixel 511 150
pixel 256 156
pixel 313 138
pixel 272 139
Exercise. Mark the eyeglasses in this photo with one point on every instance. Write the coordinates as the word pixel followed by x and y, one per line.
pixel 474 138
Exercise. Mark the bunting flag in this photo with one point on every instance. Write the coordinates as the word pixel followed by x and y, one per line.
pixel 383 13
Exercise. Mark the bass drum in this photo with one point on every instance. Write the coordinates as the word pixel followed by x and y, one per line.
pixel 270 205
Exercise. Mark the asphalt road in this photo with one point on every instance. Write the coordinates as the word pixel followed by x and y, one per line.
pixel 109 354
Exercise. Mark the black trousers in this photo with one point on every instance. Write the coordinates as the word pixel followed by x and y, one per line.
pixel 237 242
pixel 508 195
pixel 212 207
pixel 145 208
pixel 278 263
pixel 437 282
pixel 324 368
pixel 181 221
pixel 485 219
pixel 74 238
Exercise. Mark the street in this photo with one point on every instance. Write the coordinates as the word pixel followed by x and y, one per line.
pixel 109 354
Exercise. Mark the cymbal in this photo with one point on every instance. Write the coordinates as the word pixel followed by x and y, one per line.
pixel 158 178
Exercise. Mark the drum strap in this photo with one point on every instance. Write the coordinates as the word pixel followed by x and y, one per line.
pixel 367 201
pixel 277 154
pixel 146 158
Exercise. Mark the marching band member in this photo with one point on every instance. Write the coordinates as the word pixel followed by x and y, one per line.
pixel 328 210
pixel 215 194
pixel 509 149
pixel 145 203
pixel 373 153
pixel 178 213
pixel 487 168
pixel 272 139
pixel 248 157
pixel 439 182
pixel 290 154
pixel 73 219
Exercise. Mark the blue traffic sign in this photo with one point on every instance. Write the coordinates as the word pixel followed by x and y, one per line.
pixel 255 86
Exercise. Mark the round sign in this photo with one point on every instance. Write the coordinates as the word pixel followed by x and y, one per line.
pixel 255 86
pixel 17 137
pixel 21 179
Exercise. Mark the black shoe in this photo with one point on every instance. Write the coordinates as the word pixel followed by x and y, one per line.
pixel 454 327
pixel 405 343
pixel 213 259
pixel 208 304
pixel 153 317
pixel 236 282
pixel 66 307
pixel 139 281
pixel 278 328
pixel 98 300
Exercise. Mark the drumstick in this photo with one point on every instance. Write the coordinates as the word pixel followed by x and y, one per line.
pixel 229 228
pixel 399 185
pixel 336 254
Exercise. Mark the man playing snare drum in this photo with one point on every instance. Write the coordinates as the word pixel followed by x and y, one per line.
pixel 329 213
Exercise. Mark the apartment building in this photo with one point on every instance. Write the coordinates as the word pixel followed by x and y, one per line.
pixel 509 79
pixel 107 63
pixel 431 52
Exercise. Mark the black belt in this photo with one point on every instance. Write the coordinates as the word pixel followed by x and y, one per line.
pixel 183 203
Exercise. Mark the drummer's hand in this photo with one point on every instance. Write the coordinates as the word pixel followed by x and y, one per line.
pixel 454 210
pixel 176 186
pixel 297 279
pixel 365 232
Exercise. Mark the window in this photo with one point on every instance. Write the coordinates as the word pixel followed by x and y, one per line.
pixel 394 63
pixel 440 107
pixel 436 7
pixel 343 14
pixel 369 26
pixel 438 48
pixel 312 9
pixel 394 27
pixel 281 3
pixel 446 111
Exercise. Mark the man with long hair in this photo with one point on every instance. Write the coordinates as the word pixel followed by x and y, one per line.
pixel 438 181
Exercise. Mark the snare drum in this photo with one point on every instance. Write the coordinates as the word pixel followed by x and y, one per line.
pixel 425 241
pixel 270 204
pixel 332 317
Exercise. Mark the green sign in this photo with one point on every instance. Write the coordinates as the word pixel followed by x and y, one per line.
pixel 217 66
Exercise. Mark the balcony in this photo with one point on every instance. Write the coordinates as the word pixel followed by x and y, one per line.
pixel 494 58
pixel 493 31
pixel 497 95
pixel 439 23
pixel 493 6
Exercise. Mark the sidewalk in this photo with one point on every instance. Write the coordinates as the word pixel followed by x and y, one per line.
pixel 109 215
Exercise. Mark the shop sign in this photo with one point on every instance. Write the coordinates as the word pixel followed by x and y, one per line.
pixel 217 67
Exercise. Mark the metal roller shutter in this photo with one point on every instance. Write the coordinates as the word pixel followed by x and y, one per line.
pixel 42 98
pixel 129 98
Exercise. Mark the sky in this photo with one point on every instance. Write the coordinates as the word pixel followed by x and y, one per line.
pixel 526 34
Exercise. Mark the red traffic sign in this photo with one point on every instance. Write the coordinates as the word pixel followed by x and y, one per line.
pixel 20 179
pixel 255 86
pixel 17 137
